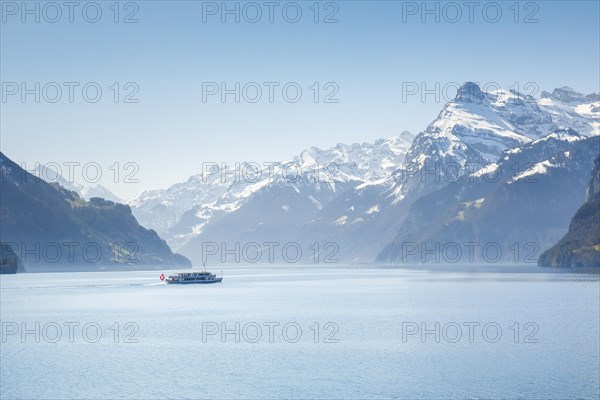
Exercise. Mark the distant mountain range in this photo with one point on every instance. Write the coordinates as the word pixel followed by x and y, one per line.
pixel 85 192
pixel 420 189
pixel 49 228
pixel 495 170
pixel 279 200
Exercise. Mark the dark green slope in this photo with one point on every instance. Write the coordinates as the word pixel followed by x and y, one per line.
pixel 47 225
pixel 9 261
pixel 580 247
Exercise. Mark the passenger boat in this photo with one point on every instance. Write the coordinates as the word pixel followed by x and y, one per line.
pixel 192 277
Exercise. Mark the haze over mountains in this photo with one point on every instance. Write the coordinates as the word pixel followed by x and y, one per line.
pixel 86 192
pixel 507 211
pixel 362 205
pixel 49 228
pixel 499 171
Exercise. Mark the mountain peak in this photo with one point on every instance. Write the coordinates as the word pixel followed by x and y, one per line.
pixel 562 134
pixel 565 94
pixel 469 92
pixel 406 135
pixel 568 132
pixel 89 192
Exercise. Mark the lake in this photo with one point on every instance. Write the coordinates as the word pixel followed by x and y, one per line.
pixel 302 332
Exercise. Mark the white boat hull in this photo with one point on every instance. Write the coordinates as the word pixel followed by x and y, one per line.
pixel 190 282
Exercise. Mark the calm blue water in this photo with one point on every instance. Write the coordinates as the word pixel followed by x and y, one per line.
pixel 361 353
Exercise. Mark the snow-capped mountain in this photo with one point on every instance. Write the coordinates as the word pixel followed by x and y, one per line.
pixel 85 192
pixel 475 128
pixel 360 195
pixel 518 206
pixel 471 132
pixel 182 211
pixel 574 110
pixel 366 161
pixel 162 209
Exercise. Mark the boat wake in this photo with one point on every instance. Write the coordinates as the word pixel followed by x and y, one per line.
pixel 84 286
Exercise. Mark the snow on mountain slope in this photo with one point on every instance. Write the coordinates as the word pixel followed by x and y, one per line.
pixel 574 110
pixel 50 175
pixel 364 161
pixel 360 194
pixel 162 209
pixel 98 190
pixel 182 211
pixel 523 202
pixel 469 134
pixel 475 128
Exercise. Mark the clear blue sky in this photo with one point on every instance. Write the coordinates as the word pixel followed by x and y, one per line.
pixel 171 51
